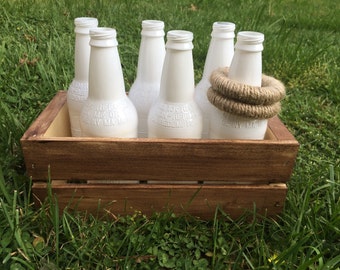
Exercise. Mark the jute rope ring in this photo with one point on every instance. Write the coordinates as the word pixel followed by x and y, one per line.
pixel 246 100
pixel 242 109
pixel 271 90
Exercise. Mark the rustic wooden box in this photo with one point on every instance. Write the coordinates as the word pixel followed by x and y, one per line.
pixel 183 175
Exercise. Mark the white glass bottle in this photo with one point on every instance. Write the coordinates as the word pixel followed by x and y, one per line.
pixel 145 89
pixel 220 54
pixel 175 114
pixel 107 112
pixel 78 89
pixel 246 67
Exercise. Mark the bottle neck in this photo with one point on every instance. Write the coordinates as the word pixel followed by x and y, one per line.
pixel 150 59
pixel 82 57
pixel 177 82
pixel 106 80
pixel 246 66
pixel 220 54
pixel 82 47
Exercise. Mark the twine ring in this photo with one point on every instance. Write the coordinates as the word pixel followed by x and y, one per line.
pixel 246 100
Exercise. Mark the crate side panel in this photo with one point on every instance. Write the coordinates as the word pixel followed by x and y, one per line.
pixel 196 200
pixel 60 127
pixel 46 117
pixel 157 160
pixel 280 130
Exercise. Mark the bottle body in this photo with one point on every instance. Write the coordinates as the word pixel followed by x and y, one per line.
pixel 78 89
pixel 220 54
pixel 145 89
pixel 175 114
pixel 246 68
pixel 228 126
pixel 107 112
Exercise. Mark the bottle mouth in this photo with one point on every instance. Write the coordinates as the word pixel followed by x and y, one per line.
pixel 226 26
pixel 250 37
pixel 83 24
pixel 103 37
pixel 179 40
pixel 223 30
pixel 152 24
pixel 249 41
pixel 180 36
pixel 152 28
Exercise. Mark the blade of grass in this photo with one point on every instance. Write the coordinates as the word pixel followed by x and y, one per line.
pixel 10 221
pixel 3 187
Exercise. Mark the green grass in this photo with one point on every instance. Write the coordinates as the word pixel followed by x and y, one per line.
pixel 302 42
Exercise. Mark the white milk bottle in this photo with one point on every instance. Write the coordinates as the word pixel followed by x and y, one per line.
pixel 78 89
pixel 107 112
pixel 145 89
pixel 220 54
pixel 175 114
pixel 246 68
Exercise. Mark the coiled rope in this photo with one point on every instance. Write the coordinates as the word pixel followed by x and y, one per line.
pixel 246 100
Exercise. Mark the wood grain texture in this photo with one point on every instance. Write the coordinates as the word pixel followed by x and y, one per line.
pixel 197 200
pixel 249 161
pixel 160 160
pixel 39 127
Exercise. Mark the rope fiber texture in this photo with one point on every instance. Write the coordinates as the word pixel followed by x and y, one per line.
pixel 246 100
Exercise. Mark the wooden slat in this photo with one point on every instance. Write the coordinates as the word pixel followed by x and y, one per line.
pixel 160 160
pixel 196 200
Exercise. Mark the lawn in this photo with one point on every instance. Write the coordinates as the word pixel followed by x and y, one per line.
pixel 301 49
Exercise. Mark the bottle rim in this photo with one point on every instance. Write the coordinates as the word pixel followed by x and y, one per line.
pixel 224 30
pixel 103 37
pixel 179 40
pixel 180 36
pixel 224 26
pixel 249 41
pixel 84 24
pixel 250 37
pixel 153 28
pixel 152 24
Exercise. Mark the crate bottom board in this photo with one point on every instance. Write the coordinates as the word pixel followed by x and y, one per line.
pixel 197 200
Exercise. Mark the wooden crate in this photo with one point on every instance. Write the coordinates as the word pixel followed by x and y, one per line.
pixel 183 175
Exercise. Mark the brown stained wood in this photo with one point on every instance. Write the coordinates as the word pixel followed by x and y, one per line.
pixel 280 130
pixel 196 200
pixel 158 160
pixel 269 135
pixel 250 161
pixel 44 120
